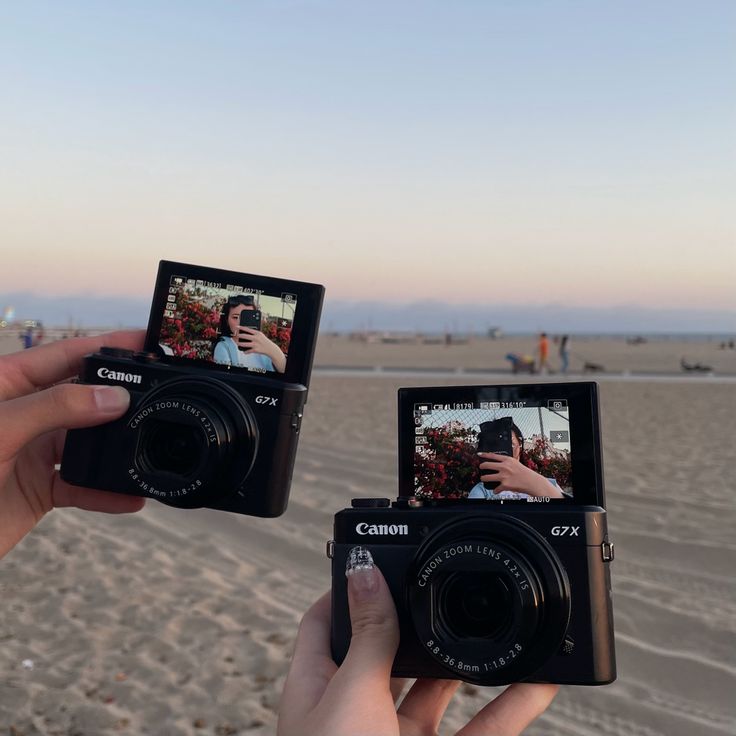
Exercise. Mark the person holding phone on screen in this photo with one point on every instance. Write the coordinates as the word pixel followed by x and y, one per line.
pixel 503 476
pixel 241 341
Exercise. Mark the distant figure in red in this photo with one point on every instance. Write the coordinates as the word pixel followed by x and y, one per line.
pixel 543 350
pixel 38 337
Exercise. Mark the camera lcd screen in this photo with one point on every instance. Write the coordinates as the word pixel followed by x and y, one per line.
pixel 536 443
pixel 234 321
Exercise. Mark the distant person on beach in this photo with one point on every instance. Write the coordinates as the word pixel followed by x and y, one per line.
pixel 27 338
pixel 520 363
pixel 35 412
pixel 245 346
pixel 359 697
pixel 564 353
pixel 515 480
pixel 543 353
pixel 39 336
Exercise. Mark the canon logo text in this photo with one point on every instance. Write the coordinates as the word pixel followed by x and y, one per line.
pixel 392 530
pixel 119 376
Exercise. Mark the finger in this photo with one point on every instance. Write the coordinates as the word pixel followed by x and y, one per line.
pixel 493 456
pixel 64 406
pixel 375 630
pixel 311 668
pixel 48 364
pixel 425 704
pixel 88 499
pixel 491 478
pixel 512 711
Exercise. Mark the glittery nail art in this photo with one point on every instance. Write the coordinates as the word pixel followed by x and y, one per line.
pixel 359 558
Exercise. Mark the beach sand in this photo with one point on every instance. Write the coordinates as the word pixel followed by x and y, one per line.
pixel 661 355
pixel 173 622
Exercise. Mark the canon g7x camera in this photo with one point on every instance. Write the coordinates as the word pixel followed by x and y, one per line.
pixel 217 394
pixel 498 562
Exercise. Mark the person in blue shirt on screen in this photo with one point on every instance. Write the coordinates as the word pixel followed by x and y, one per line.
pixel 244 346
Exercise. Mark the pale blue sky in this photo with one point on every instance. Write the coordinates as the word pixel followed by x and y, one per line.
pixel 518 152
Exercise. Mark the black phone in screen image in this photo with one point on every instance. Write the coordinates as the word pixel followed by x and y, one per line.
pixel 250 318
pixel 495 436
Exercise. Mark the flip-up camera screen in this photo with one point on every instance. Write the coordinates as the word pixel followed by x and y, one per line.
pixel 533 443
pixel 235 321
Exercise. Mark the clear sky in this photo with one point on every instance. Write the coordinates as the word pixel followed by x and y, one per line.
pixel 518 151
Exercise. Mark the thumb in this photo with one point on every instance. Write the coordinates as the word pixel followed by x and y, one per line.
pixel 65 406
pixel 373 619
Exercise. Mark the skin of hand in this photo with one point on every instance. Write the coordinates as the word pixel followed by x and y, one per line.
pixel 515 476
pixel 256 342
pixel 36 409
pixel 359 698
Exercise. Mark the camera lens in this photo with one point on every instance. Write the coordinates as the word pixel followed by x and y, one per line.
pixel 476 605
pixel 196 443
pixel 489 598
pixel 173 448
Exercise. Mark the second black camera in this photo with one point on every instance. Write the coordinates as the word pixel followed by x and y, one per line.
pixel 496 550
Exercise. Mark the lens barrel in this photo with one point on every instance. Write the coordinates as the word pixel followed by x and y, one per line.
pixel 489 598
pixel 196 442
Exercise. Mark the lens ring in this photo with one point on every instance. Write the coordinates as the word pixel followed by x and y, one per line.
pixel 224 420
pixel 499 546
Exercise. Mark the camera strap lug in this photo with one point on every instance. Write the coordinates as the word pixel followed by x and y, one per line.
pixel 607 551
pixel 330 549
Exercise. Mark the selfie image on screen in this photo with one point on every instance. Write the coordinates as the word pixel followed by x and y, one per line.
pixel 227 324
pixel 486 452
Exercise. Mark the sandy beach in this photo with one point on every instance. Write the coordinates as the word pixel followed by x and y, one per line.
pixel 175 622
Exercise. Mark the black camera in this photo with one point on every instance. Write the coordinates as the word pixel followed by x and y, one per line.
pixel 216 398
pixel 498 585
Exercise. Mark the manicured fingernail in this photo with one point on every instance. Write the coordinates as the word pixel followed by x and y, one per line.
pixel 111 399
pixel 361 572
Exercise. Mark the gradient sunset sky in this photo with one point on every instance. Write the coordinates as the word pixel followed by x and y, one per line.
pixel 527 152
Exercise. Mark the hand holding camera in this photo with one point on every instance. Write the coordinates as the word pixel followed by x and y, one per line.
pixel 359 698
pixel 213 422
pixel 35 410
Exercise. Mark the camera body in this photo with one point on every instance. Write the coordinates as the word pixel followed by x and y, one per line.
pixel 188 439
pixel 209 424
pixel 499 585
pixel 547 570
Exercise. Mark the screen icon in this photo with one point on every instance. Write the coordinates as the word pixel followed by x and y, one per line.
pixel 557 404
pixel 559 436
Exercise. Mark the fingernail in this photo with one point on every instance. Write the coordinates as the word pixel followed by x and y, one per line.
pixel 111 399
pixel 361 572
